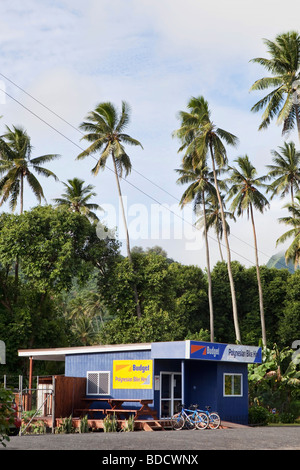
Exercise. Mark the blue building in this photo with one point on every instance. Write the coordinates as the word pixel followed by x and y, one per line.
pixel 169 373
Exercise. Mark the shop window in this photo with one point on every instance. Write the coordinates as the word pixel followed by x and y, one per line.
pixel 233 385
pixel 98 383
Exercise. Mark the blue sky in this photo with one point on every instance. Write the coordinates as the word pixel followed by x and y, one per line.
pixel 71 55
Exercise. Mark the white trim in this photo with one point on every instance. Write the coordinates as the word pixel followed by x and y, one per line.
pixel 171 398
pixel 59 354
pixel 232 374
pixel 188 349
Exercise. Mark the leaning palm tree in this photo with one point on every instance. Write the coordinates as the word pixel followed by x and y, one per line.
pixel 105 131
pixel 17 165
pixel 293 251
pixel 284 67
pixel 286 170
pixel 246 196
pixel 77 197
pixel 200 136
pixel 200 181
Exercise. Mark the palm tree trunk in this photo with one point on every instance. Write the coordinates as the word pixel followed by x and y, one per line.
pixel 22 193
pixel 21 212
pixel 260 293
pixel 138 307
pixel 231 281
pixel 297 119
pixel 210 301
pixel 220 249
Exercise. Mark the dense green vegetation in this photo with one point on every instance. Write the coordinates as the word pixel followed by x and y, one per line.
pixel 61 285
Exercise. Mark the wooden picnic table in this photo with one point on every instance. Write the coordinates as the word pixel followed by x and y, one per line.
pixel 116 406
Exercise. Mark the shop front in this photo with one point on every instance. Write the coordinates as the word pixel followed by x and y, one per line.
pixel 166 374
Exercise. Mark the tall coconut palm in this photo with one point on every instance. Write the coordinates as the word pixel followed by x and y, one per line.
pixel 286 170
pixel 17 165
pixel 77 197
pixel 214 219
pixel 200 181
pixel 105 128
pixel 293 221
pixel 284 67
pixel 200 136
pixel 246 196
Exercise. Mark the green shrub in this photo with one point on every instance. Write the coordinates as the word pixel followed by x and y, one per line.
pixel 6 414
pixel 66 426
pixel 110 424
pixel 258 415
pixel 128 425
pixel 287 418
pixel 84 426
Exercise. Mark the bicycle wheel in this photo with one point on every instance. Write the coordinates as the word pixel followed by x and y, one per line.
pixel 214 420
pixel 190 422
pixel 201 420
pixel 178 421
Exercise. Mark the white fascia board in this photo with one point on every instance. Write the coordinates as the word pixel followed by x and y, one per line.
pixel 61 353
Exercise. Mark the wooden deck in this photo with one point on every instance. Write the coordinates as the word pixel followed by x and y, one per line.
pixel 139 425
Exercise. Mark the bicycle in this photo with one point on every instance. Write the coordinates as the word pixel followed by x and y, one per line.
pixel 189 418
pixel 214 419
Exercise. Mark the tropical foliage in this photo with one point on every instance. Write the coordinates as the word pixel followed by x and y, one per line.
pixel 77 198
pixel 61 285
pixel 283 65
pixel 16 165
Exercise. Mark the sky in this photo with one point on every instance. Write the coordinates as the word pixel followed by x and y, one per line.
pixel 59 59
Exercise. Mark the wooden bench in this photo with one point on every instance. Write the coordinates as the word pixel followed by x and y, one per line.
pixel 89 411
pixel 122 411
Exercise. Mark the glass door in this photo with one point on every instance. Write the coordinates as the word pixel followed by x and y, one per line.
pixel 170 393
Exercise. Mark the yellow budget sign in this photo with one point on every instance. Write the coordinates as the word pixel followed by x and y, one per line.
pixel 132 374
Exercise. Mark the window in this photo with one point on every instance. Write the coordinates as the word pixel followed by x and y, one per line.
pixel 233 385
pixel 98 383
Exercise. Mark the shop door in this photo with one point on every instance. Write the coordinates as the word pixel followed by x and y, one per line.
pixel 170 393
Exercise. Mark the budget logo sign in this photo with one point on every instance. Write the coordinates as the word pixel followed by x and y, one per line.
pixel 129 374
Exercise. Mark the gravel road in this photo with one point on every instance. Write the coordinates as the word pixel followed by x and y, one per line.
pixel 244 438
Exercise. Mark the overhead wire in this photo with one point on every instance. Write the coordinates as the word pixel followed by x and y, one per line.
pixel 106 166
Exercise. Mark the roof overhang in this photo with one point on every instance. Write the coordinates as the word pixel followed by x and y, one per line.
pixel 187 349
pixel 59 354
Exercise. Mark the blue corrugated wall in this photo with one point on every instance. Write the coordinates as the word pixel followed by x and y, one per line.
pixel 77 365
pixel 203 380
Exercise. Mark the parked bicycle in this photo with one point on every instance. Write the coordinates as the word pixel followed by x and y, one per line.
pixel 214 419
pixel 190 418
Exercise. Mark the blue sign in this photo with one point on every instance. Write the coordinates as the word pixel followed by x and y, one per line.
pixel 224 352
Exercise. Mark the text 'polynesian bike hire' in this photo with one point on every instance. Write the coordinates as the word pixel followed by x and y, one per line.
pixel 194 418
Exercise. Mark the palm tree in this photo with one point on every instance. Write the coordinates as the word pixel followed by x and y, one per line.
pixel 284 67
pixel 287 168
pixel 200 136
pixel 16 165
pixel 246 197
pixel 201 183
pixel 105 131
pixel 214 218
pixel 77 197
pixel 293 252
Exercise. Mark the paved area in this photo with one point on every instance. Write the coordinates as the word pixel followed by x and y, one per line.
pixel 244 438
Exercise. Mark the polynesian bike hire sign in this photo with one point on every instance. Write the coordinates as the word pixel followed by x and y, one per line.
pixel 224 352
pixel 132 374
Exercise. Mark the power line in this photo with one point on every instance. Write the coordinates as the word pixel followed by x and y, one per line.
pixel 128 182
